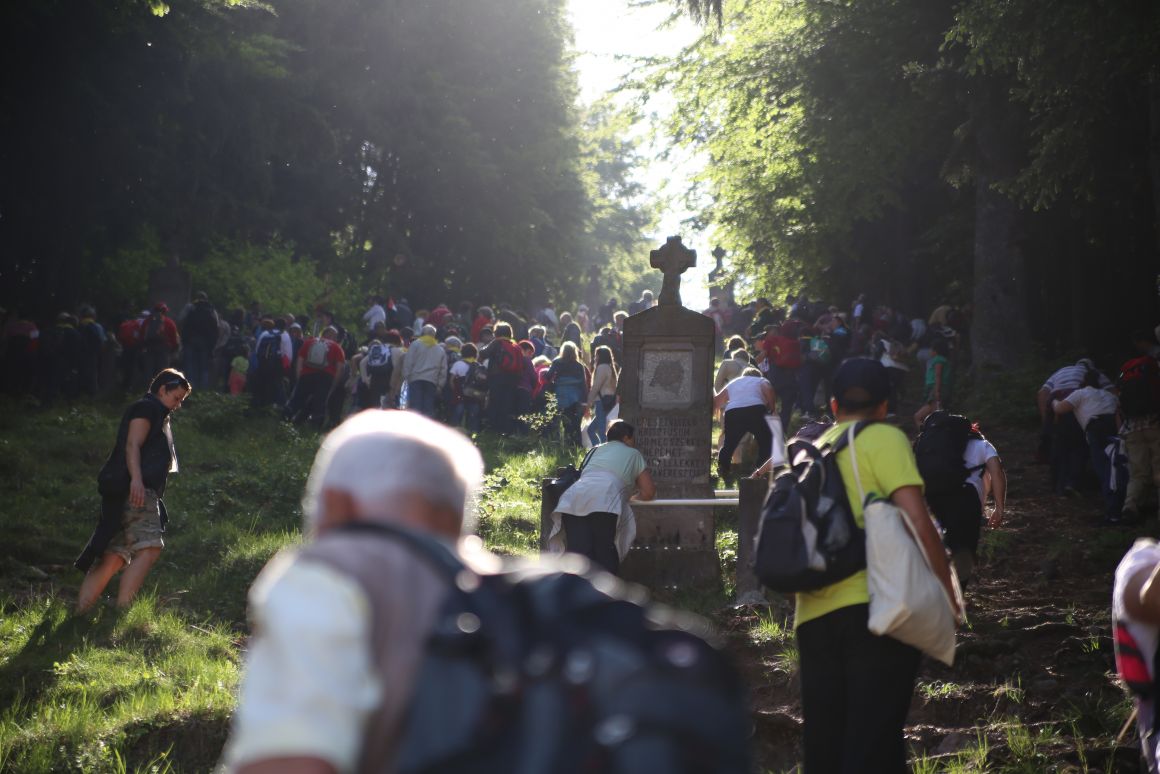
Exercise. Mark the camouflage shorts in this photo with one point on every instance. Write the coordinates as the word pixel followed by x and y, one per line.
pixel 140 529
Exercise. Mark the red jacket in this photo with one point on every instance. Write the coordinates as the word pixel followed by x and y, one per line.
pixel 480 323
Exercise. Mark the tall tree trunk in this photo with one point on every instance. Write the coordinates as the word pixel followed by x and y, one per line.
pixel 1154 157
pixel 1000 337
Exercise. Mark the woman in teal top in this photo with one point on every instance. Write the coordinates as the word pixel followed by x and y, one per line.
pixel 593 513
pixel 938 382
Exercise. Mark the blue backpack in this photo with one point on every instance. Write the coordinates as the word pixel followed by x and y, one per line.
pixel 545 670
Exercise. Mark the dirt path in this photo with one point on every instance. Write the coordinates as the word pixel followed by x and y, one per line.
pixel 1032 688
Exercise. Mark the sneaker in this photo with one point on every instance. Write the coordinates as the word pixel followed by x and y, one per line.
pixel 1129 516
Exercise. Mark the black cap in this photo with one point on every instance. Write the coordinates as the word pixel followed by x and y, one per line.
pixel 861 383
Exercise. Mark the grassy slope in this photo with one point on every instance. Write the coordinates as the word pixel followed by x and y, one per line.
pixel 153 687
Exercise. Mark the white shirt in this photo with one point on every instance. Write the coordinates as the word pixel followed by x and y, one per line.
pixel 309 684
pixel 376 314
pixel 745 391
pixel 978 453
pixel 1071 378
pixel 460 368
pixel 1091 402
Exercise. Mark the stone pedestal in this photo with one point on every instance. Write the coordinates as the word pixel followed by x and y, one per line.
pixel 666 394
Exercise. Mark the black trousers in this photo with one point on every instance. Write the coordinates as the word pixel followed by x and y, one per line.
pixel 309 398
pixel 856 692
pixel 961 514
pixel 738 422
pixel 593 536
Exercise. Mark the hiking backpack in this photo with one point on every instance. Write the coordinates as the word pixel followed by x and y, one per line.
pixel 201 323
pixel 787 352
pixel 1139 384
pixel 939 449
pixel 235 345
pixel 808 538
pixel 91 336
pixel 379 361
pixel 269 352
pixel 317 354
pixel 129 333
pixel 511 359
pixel 153 334
pixel 541 669
pixel 475 383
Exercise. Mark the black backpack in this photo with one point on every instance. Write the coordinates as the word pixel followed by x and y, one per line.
pixel 566 476
pixel 939 449
pixel 154 334
pixel 201 323
pixel 269 352
pixel 379 361
pixel 808 538
pixel 545 670
pixel 475 383
pixel 235 345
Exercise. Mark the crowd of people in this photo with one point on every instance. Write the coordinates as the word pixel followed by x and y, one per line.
pixel 478 368
pixel 472 367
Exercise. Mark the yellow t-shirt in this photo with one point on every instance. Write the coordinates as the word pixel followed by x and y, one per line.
pixel 886 463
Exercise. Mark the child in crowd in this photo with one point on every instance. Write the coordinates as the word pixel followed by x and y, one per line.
pixel 239 367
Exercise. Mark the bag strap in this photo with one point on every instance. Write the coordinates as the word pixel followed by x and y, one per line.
pixel 437 554
pixel 854 462
pixel 587 457
pixel 494 623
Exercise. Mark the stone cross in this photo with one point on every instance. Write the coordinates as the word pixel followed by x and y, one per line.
pixel 672 259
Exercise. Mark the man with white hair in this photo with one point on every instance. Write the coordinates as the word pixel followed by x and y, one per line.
pixel 340 623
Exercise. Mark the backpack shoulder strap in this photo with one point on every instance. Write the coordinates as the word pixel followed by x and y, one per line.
pixel 437 554
pixel 587 457
pixel 844 440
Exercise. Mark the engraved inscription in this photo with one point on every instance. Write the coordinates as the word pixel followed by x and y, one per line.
pixel 675 447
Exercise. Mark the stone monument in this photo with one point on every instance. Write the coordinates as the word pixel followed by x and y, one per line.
pixel 171 284
pixel 720 283
pixel 666 393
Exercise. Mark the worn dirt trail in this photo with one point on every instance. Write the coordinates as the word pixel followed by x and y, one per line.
pixel 1035 657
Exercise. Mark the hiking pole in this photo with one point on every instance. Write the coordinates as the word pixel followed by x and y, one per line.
pixel 1127 725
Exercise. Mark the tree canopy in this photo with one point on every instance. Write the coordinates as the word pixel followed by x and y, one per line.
pixel 1002 155
pixel 434 149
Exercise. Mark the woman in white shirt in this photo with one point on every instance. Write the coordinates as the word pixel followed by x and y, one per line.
pixel 601 396
pixel 1097 411
pixel 747 400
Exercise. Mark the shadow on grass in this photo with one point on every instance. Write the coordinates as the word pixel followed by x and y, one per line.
pixel 30 672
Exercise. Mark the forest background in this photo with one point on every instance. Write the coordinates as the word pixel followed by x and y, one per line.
pixel 1002 155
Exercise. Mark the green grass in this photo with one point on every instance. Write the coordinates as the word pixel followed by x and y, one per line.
pixel 939 689
pixel 151 688
pixel 975 758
